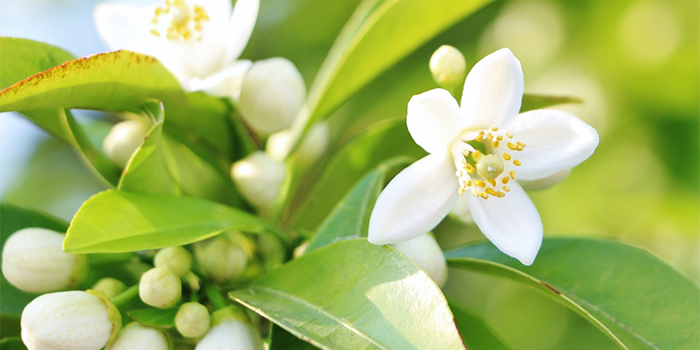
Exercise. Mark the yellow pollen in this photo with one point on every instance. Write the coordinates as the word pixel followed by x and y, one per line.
pixel 505 180
pixel 491 191
pixel 494 128
pixel 499 138
pixel 517 163
pixel 500 194
pixel 492 182
pixel 512 175
pixel 480 137
pixel 479 183
pixel 469 183
pixel 179 20
pixel 505 188
pixel 511 146
pixel 461 191
pixel 506 156
pixel 465 153
pixel 490 137
pixel 470 168
pixel 495 144
pixel 484 195
pixel 476 155
pixel 155 32
pixel 509 134
pixel 464 183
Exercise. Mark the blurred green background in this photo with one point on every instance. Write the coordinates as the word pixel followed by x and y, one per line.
pixel 635 63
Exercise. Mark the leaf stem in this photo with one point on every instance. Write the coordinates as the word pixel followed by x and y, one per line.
pixel 126 296
pixel 217 301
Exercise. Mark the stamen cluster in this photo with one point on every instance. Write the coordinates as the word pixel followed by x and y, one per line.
pixel 180 21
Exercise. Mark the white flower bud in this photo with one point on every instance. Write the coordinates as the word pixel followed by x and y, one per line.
pixel 73 320
pixel 176 259
pixel 137 337
pixel 448 66
pixel 426 253
pixel 310 150
pixel 544 183
pixel 223 258
pixel 272 94
pixel 192 320
pixel 33 261
pixel 160 288
pixel 124 139
pixel 259 177
pixel 231 334
pixel 110 286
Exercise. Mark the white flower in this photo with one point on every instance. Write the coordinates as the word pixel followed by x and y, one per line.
pixel 529 146
pixel 231 334
pixel 124 139
pixel 259 177
pixel 199 41
pixel 425 252
pixel 137 337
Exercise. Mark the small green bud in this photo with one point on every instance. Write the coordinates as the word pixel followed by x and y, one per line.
pixel 159 287
pixel 448 66
pixel 137 337
pixel 426 253
pixel 223 258
pixel 259 177
pixel 124 139
pixel 110 286
pixel 33 261
pixel 192 320
pixel 176 259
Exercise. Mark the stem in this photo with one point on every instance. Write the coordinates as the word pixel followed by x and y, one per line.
pixel 214 296
pixel 126 296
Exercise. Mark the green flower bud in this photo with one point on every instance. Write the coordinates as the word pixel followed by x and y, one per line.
pixel 33 261
pixel 160 288
pixel 448 66
pixel 110 286
pixel 176 259
pixel 272 94
pixel 426 253
pixel 192 320
pixel 124 139
pixel 259 178
pixel 224 258
pixel 137 337
pixel 69 320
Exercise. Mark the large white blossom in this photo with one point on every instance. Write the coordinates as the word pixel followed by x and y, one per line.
pixel 528 146
pixel 199 41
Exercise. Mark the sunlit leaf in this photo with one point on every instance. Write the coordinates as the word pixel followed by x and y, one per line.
pixel 477 335
pixel 355 295
pixel 631 295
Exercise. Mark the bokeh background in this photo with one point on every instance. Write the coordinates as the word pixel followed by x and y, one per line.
pixel 635 63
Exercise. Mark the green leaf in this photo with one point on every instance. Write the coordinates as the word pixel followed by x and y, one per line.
pixel 283 340
pixel 379 34
pixel 477 335
pixel 161 318
pixel 631 295
pixel 350 217
pixel 120 221
pixel 531 101
pixel 14 343
pixel 363 153
pixel 355 295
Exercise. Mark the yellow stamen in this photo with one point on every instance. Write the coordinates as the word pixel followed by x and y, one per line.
pixel 470 168
pixel 506 156
pixel 480 183
pixel 512 175
pixel 491 191
pixel 484 195
pixel 499 138
pixel 505 180
pixel 495 144
pixel 509 134
pixel 492 182
pixel 490 137
pixel 500 194
pixel 511 146
pixel 517 163
pixel 494 128
pixel 505 188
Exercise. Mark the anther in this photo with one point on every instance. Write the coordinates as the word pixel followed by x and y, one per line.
pixel 469 168
pixel 484 195
pixel 505 180
pixel 509 134
pixel 512 175
pixel 500 194
pixel 480 137
pixel 499 138
pixel 494 128
pixel 505 188
pixel 476 155
pixel 490 137
pixel 479 183
pixel 517 163
pixel 495 144
pixel 506 156
pixel 511 146
pixel 461 191
pixel 492 182
pixel 469 183
pixel 491 191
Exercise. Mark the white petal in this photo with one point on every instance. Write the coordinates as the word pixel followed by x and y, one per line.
pixel 554 141
pixel 434 120
pixel 415 201
pixel 545 182
pixel 218 11
pixel 226 83
pixel 511 223
pixel 493 90
pixel 460 211
pixel 425 252
pixel 240 27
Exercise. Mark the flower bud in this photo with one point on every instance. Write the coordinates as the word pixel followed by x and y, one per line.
pixel 544 183
pixel 69 320
pixel 259 178
pixel 426 253
pixel 223 258
pixel 33 261
pixel 137 337
pixel 448 66
pixel 124 139
pixel 310 150
pixel 234 333
pixel 272 94
pixel 160 288
pixel 176 259
pixel 192 320
pixel 110 286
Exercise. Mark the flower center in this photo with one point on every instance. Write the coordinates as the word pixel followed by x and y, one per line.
pixel 488 174
pixel 178 20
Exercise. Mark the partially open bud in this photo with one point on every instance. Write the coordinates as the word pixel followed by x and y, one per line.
pixel 176 259
pixel 233 332
pixel 33 261
pixel 544 183
pixel 224 258
pixel 192 320
pixel 309 151
pixel 272 94
pixel 426 253
pixel 137 337
pixel 448 66
pixel 124 139
pixel 110 286
pixel 259 177
pixel 69 320
pixel 159 287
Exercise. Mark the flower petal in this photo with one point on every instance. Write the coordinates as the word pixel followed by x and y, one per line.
pixel 554 141
pixel 240 27
pixel 460 211
pixel 434 120
pixel 511 223
pixel 226 83
pixel 415 201
pixel 493 90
